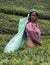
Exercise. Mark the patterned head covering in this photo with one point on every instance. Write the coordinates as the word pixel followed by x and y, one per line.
pixel 34 10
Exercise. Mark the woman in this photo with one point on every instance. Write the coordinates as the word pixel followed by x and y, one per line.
pixel 32 29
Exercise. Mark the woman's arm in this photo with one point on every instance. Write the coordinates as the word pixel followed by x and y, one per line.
pixel 32 36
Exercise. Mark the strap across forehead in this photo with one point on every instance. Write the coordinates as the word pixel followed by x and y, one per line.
pixel 34 10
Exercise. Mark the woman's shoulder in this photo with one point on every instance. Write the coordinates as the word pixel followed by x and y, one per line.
pixel 29 23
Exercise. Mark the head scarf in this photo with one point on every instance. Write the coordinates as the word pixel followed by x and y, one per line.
pixel 31 11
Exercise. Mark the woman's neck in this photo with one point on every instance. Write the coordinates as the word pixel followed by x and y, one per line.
pixel 33 21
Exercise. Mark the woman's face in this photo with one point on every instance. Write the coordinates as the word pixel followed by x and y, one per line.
pixel 34 17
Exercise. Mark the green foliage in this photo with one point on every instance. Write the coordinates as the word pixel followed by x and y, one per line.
pixel 24 5
pixel 44 26
pixel 26 56
pixel 39 55
pixel 15 8
pixel 4 39
pixel 11 22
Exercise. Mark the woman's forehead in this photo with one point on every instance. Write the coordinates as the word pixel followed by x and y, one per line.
pixel 33 13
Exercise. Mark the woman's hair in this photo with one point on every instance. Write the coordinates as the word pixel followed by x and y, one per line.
pixel 33 10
